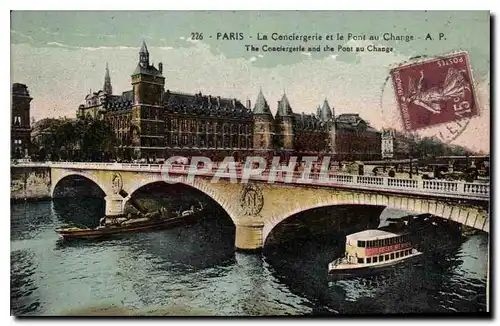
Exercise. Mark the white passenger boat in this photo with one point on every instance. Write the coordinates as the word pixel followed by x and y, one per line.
pixel 372 250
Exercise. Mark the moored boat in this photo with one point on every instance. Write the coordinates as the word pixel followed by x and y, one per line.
pixel 148 222
pixel 370 251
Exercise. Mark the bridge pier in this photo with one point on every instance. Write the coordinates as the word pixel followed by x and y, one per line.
pixel 114 205
pixel 249 236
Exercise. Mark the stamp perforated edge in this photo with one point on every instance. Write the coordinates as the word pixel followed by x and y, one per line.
pixel 421 59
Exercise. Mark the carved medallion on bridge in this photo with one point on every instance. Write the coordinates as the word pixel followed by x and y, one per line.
pixel 251 199
pixel 117 183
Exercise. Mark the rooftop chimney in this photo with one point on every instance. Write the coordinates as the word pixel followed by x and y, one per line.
pixel 160 67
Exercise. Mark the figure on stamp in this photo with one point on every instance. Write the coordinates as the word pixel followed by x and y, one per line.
pixel 454 86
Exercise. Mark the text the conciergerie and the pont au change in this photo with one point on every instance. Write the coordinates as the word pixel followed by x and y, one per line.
pixel 316 42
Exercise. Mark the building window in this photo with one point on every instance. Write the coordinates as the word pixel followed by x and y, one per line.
pixel 17 121
pixel 175 139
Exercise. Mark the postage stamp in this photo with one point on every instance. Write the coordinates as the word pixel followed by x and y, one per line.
pixel 435 91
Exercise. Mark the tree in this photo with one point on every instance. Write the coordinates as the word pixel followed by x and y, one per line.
pixel 98 141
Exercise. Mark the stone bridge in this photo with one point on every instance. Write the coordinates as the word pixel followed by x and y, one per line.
pixel 257 206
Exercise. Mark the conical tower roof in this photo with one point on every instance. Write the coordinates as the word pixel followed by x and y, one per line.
pixel 107 88
pixel 144 48
pixel 261 106
pixel 284 108
pixel 326 111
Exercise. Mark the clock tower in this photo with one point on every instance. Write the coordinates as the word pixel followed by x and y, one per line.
pixel 148 84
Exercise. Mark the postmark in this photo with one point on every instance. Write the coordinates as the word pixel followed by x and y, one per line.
pixel 436 91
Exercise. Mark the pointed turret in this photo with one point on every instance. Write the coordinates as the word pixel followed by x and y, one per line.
pixel 144 55
pixel 326 112
pixel 284 117
pixel 261 107
pixel 318 111
pixel 284 108
pixel 263 124
pixel 107 88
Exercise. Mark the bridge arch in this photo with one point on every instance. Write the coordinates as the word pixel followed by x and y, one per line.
pixel 201 185
pixel 470 216
pixel 355 214
pixel 56 179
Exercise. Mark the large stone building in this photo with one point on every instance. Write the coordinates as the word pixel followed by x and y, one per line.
pixel 20 128
pixel 394 145
pixel 153 123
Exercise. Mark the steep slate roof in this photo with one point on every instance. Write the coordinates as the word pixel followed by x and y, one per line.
pixel 308 122
pixel 261 106
pixel 120 102
pixel 150 70
pixel 326 112
pixel 144 48
pixel 205 105
pixel 284 108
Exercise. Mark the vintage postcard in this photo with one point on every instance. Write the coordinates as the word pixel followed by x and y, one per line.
pixel 250 163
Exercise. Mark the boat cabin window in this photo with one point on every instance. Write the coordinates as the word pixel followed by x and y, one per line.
pixel 392 256
pixel 360 261
pixel 375 259
pixel 368 260
pixel 381 258
pixel 386 257
pixel 397 254
pixel 361 243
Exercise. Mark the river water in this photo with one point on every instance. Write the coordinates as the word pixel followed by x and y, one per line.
pixel 194 270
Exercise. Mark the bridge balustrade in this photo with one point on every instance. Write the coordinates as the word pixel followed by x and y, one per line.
pixel 402 183
pixel 324 179
pixel 477 188
pixel 442 186
pixel 369 180
pixel 342 178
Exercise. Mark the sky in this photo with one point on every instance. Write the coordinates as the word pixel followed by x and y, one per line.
pixel 63 55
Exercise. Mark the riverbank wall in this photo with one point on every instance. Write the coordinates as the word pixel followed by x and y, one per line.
pixel 31 183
